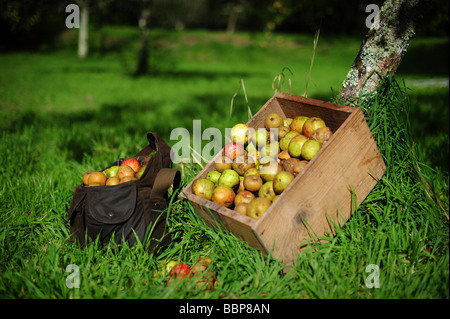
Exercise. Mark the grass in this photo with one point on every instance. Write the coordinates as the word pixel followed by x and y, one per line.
pixel 62 117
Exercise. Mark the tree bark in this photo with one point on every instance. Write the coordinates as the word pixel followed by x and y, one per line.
pixel 382 49
pixel 83 46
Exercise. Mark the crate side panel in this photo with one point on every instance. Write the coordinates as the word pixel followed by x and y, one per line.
pixel 322 194
pixel 216 217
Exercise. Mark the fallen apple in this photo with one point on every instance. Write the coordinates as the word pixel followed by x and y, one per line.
pixel 233 150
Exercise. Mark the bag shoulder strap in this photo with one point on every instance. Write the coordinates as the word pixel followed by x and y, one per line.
pixel 164 179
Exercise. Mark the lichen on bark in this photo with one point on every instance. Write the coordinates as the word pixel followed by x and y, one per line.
pixel 382 49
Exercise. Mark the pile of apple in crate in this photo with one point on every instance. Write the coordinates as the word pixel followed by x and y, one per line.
pixel 258 165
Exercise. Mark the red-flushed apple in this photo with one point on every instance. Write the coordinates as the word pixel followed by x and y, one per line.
pixel 233 150
pixel 133 163
pixel 311 125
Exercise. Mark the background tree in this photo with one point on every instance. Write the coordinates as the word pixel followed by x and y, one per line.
pixel 83 32
pixel 383 47
pixel 143 55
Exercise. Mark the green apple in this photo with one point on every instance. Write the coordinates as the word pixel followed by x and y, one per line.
pixel 111 171
pixel 310 149
pixel 203 188
pixel 296 145
pixel 229 178
pixel 213 176
pixel 281 181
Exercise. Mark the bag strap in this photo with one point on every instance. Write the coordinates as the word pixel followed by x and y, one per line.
pixel 164 179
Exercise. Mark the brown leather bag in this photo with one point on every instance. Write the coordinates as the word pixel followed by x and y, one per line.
pixel 128 210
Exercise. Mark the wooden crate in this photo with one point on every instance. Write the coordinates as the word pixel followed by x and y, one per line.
pixel 320 196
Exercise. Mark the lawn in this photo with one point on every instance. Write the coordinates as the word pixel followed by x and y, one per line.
pixel 61 117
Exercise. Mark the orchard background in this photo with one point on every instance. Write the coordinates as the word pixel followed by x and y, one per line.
pixel 62 114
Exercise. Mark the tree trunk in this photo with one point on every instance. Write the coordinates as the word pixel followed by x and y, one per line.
pixel 235 9
pixel 83 46
pixel 142 66
pixel 382 49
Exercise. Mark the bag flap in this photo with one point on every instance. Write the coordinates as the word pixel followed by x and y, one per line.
pixel 111 204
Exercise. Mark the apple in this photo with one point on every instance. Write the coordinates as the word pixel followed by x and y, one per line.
pixel 133 163
pixel 230 178
pixel 180 270
pixel 113 180
pixel 233 150
pixel 310 149
pixel 282 131
pixel 299 167
pixel 322 134
pixel 241 133
pixel 111 171
pixel 283 155
pixel 271 149
pixel 260 137
pixel 242 163
pixel 86 177
pixel 223 163
pixel 288 165
pixel 203 188
pixel 213 176
pixel 273 120
pixel 223 195
pixel 127 179
pixel 241 208
pixel 170 264
pixel 250 147
pixel 281 181
pixel 287 121
pixel 257 207
pixel 125 170
pixel 252 171
pixel 284 142
pixel 243 197
pixel 141 171
pixel 298 122
pixel 311 125
pixel 267 190
pixel 268 169
pixel 253 183
pixel 296 145
pixel 96 179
